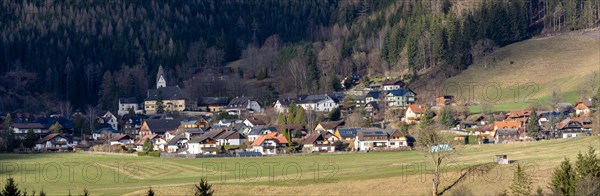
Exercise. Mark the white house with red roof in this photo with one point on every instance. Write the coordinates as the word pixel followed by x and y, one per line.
pixel 414 113
pixel 269 144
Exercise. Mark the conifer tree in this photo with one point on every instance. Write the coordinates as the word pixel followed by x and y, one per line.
pixel 521 184
pixel 533 126
pixel 563 179
pixel 10 188
pixel 203 188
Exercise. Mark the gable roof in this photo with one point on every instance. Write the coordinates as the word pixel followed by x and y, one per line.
pixel 28 125
pixel 257 130
pixel 256 121
pixel 416 108
pixel 348 132
pixel 562 124
pixel 511 124
pixel 106 129
pixel 374 94
pixel 176 139
pixel 238 102
pixel 168 93
pixel 400 92
pixel 161 126
pixel 507 132
pixel 50 137
pixel 312 138
pixel 122 137
pixel 585 101
pixel 330 125
pixel 128 100
pixel 141 141
pixel 219 101
pixel 270 136
pixel 317 98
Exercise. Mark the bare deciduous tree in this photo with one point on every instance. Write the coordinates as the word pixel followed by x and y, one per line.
pixel 482 50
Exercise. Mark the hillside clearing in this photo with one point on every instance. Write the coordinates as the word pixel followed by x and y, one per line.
pixel 529 71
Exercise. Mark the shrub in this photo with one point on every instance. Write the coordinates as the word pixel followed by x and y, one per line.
pixel 142 154
pixel 154 154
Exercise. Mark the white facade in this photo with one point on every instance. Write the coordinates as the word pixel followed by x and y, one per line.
pixel 197 148
pixel 391 87
pixel 321 106
pixel 124 108
pixel 111 120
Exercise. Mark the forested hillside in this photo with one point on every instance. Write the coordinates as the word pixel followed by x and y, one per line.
pixel 92 52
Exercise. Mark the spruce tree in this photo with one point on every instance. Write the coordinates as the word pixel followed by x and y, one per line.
pixel 335 114
pixel 533 126
pixel 427 118
pixel 150 192
pixel 521 184
pixel 160 107
pixel 203 188
pixel 588 164
pixel 280 119
pixel 148 145
pixel 30 139
pixel 10 188
pixel 563 179
pixel 299 116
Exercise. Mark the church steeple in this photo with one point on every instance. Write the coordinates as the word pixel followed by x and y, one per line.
pixel 160 78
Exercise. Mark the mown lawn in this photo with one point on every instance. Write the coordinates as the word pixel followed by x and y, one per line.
pixel 388 173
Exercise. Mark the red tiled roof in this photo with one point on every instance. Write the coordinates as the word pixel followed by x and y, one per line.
pixel 141 141
pixel 270 136
pixel 416 108
pixel 507 124
pixel 121 136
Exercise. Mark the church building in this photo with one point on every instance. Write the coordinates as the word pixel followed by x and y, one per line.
pixel 173 98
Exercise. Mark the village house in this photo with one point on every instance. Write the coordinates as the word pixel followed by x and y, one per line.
pixel 158 126
pixel 346 135
pixel 297 131
pixel 251 122
pixel 123 139
pixel 586 122
pixel 130 124
pixel 177 144
pixel 172 97
pixel 20 129
pixel 109 119
pixel 372 108
pixel 55 142
pixel 328 126
pixel 518 115
pixel 378 139
pixel 270 144
pixel 414 113
pixel 583 106
pixel 240 105
pixel 212 104
pixel 569 128
pixel 242 128
pixel 230 138
pixel 158 143
pixel 283 103
pixel 393 85
pixel 400 98
pixel 506 135
pixel 317 143
pixel 372 96
pixel 129 103
pixel 257 131
pixel 203 146
pixel 104 133
pixel 318 103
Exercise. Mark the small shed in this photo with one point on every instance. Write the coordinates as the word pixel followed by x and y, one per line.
pixel 502 159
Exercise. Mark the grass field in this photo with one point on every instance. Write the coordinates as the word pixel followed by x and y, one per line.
pixel 527 72
pixel 387 173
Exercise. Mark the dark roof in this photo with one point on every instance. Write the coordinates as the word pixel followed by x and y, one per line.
pixel 28 125
pixel 312 138
pixel 168 93
pixel 348 132
pixel 317 98
pixel 175 140
pixel 52 136
pixel 122 137
pixel 105 129
pixel 203 101
pixel 215 133
pixel 374 94
pixel 373 104
pixel 374 132
pixel 162 125
pixel 238 102
pixel 47 122
pixel 195 131
pixel 256 121
pixel 128 100
pixel 257 130
pixel 401 92
pixel 231 135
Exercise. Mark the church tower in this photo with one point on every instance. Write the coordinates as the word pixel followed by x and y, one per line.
pixel 160 78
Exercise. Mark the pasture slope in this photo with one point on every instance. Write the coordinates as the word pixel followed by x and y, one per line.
pixel 379 173
pixel 529 71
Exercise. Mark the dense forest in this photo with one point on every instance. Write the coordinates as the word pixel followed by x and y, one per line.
pixel 80 53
